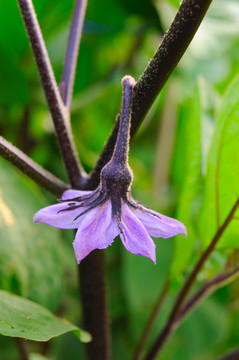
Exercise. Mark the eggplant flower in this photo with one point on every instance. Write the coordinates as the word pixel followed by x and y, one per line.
pixel 102 214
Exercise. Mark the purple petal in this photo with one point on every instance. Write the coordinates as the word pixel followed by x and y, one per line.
pixel 136 239
pixel 71 194
pixel 50 215
pixel 97 231
pixel 159 225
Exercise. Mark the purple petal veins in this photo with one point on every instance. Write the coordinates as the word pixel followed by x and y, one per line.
pixel 55 215
pixel 97 226
pixel 159 225
pixel 110 210
pixel 97 231
pixel 135 237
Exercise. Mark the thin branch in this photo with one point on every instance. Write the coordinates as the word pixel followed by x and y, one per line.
pixel 68 76
pixel 55 103
pixel 30 168
pixel 206 290
pixel 151 321
pixel 234 355
pixel 166 58
pixel 172 320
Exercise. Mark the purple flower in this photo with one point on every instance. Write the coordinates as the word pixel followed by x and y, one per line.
pixel 98 227
pixel 102 214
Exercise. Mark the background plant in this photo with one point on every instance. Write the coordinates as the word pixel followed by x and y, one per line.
pixel 194 172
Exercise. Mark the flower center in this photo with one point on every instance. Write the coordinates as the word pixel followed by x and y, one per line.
pixel 116 179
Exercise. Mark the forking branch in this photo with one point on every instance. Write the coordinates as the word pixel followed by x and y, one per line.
pixel 173 45
pixel 179 303
pixel 56 106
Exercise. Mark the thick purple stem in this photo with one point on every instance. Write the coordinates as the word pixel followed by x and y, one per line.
pixel 166 58
pixel 58 110
pixel 95 307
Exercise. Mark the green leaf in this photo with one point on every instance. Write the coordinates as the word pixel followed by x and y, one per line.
pixel 221 183
pixel 188 203
pixel 195 140
pixel 31 261
pixel 23 318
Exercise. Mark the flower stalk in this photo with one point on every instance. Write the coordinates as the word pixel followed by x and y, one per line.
pixel 110 210
pixel 166 58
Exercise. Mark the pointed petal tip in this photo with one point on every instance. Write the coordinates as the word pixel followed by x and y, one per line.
pixel 182 229
pixel 185 232
pixel 153 256
pixel 37 217
pixel 153 259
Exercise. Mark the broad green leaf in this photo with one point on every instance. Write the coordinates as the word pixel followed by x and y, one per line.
pixel 196 139
pixel 30 254
pixel 221 183
pixel 25 319
pixel 188 203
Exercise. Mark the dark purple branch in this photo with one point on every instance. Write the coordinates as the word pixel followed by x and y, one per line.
pixel 234 355
pixel 41 176
pixel 68 76
pixel 172 319
pixel 92 277
pixel 166 58
pixel 206 290
pixel 58 111
pixel 94 303
pixel 92 280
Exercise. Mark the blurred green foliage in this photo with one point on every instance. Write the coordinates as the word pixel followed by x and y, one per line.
pixel 37 261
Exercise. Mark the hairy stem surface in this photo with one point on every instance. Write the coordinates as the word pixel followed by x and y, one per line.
pixel 57 108
pixel 94 303
pixel 166 58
